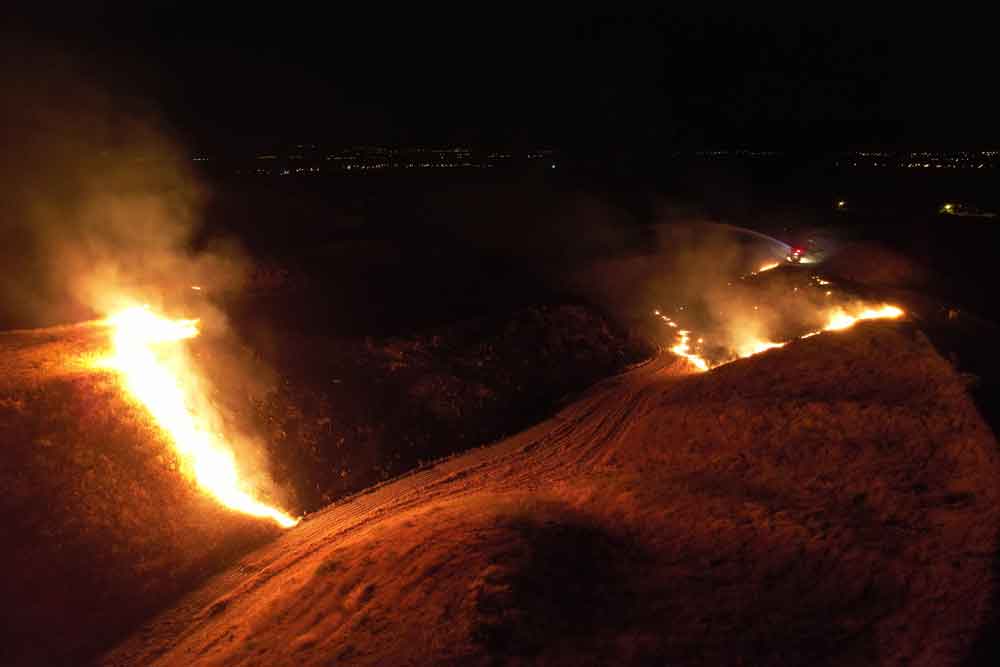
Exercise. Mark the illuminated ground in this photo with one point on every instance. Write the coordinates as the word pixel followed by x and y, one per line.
pixel 98 529
pixel 831 502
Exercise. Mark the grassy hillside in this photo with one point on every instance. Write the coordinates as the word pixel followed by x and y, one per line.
pixel 99 527
pixel 101 530
pixel 831 502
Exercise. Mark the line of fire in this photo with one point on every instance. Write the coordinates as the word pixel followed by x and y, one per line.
pixel 332 336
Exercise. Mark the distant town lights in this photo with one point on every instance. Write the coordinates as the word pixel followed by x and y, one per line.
pixel 301 159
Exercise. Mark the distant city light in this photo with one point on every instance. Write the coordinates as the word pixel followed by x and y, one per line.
pixel 303 159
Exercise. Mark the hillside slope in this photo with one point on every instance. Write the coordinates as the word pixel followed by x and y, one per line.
pixel 98 527
pixel 831 502
pixel 100 530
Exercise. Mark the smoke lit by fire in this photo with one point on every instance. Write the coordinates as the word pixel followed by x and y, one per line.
pixel 166 387
pixel 742 338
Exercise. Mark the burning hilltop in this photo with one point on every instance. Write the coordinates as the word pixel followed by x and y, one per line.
pixel 103 493
pixel 837 318
pixel 104 526
pixel 831 501
pixel 739 320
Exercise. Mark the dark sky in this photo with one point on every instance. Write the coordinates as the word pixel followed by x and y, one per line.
pixel 225 77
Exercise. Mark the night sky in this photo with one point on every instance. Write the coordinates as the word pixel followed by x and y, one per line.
pixel 243 77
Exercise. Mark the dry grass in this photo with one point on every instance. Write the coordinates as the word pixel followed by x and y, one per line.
pixel 346 414
pixel 100 529
pixel 832 502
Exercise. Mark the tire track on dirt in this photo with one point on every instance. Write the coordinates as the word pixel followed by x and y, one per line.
pixel 536 454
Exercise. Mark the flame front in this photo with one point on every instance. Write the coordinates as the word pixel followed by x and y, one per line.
pixel 683 349
pixel 840 319
pixel 155 384
pixel 836 319
pixel 755 346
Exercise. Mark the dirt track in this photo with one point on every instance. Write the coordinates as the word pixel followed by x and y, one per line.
pixel 831 502
pixel 504 464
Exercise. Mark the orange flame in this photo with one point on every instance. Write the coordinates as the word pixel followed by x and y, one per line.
pixel 755 346
pixel 155 384
pixel 837 319
pixel 683 349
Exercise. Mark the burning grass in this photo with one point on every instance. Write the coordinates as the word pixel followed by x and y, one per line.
pixel 167 388
pixel 102 529
pixel 105 525
pixel 832 503
pixel 741 330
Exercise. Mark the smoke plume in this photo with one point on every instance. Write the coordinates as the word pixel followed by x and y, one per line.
pixel 99 203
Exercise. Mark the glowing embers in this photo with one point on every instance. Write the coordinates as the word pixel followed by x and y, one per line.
pixel 157 375
pixel 683 349
pixel 683 346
